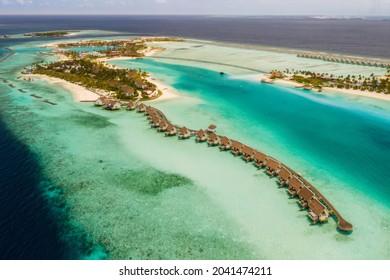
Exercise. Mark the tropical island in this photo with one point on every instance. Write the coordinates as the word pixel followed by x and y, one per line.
pixel 311 80
pixel 123 84
pixel 59 33
pixel 88 70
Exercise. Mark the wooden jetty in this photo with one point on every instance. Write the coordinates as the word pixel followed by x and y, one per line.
pixel 319 208
pixel 373 62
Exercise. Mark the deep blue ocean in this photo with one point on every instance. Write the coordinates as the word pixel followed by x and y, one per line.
pixel 28 227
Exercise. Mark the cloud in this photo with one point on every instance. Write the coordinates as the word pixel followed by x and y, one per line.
pixel 161 1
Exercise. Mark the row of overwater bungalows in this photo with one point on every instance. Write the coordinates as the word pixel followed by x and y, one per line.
pixel 307 198
pixel 113 104
pixel 318 212
pixel 157 120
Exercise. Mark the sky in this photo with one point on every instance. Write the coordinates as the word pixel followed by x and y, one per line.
pixel 199 7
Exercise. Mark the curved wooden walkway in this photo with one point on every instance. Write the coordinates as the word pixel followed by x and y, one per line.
pixel 342 224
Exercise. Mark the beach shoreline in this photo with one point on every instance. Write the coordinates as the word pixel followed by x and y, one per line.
pixel 374 95
pixel 79 93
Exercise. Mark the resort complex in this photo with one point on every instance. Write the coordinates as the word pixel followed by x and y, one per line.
pixel 312 80
pixel 319 208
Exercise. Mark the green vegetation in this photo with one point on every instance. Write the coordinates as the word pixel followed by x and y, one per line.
pixel 359 82
pixel 122 83
pixel 49 33
pixel 132 48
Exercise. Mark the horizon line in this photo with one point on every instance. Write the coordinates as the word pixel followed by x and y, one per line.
pixel 216 15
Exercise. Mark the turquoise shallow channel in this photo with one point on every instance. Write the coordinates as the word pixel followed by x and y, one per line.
pixel 127 192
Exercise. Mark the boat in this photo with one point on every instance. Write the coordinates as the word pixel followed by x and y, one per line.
pixel 35 96
pixel 22 90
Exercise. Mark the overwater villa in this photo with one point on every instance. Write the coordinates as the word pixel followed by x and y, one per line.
pixel 295 185
pixel 184 133
pixel 155 121
pixel 171 130
pixel 225 144
pixel 273 167
pixel 163 126
pixel 236 148
pixel 284 176
pixel 141 108
pixel 260 159
pixel 113 105
pixel 148 111
pixel 213 139
pixel 130 106
pixel 305 196
pixel 201 136
pixel 318 212
pixel 248 153
pixel 128 91
pixel 101 101
pixel 211 129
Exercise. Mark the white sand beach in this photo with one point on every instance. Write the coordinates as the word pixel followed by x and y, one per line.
pixel 337 90
pixel 80 94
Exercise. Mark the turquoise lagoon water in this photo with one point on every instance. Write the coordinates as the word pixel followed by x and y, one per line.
pixel 347 140
pixel 131 193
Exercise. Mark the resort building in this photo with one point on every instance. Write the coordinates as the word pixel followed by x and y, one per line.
pixel 295 185
pixel 212 128
pixel 201 136
pixel 140 84
pixel 273 167
pixel 184 133
pixel 225 143
pixel 113 105
pixel 156 121
pixel 305 196
pixel 141 108
pixel 213 139
pixel 128 91
pixel 130 106
pixel 284 176
pixel 260 159
pixel 171 130
pixel 248 153
pixel 163 126
pixel 236 148
pixel 101 101
pixel 318 211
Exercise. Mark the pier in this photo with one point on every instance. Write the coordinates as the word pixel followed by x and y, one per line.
pixel 374 62
pixel 319 207
pixel 11 52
